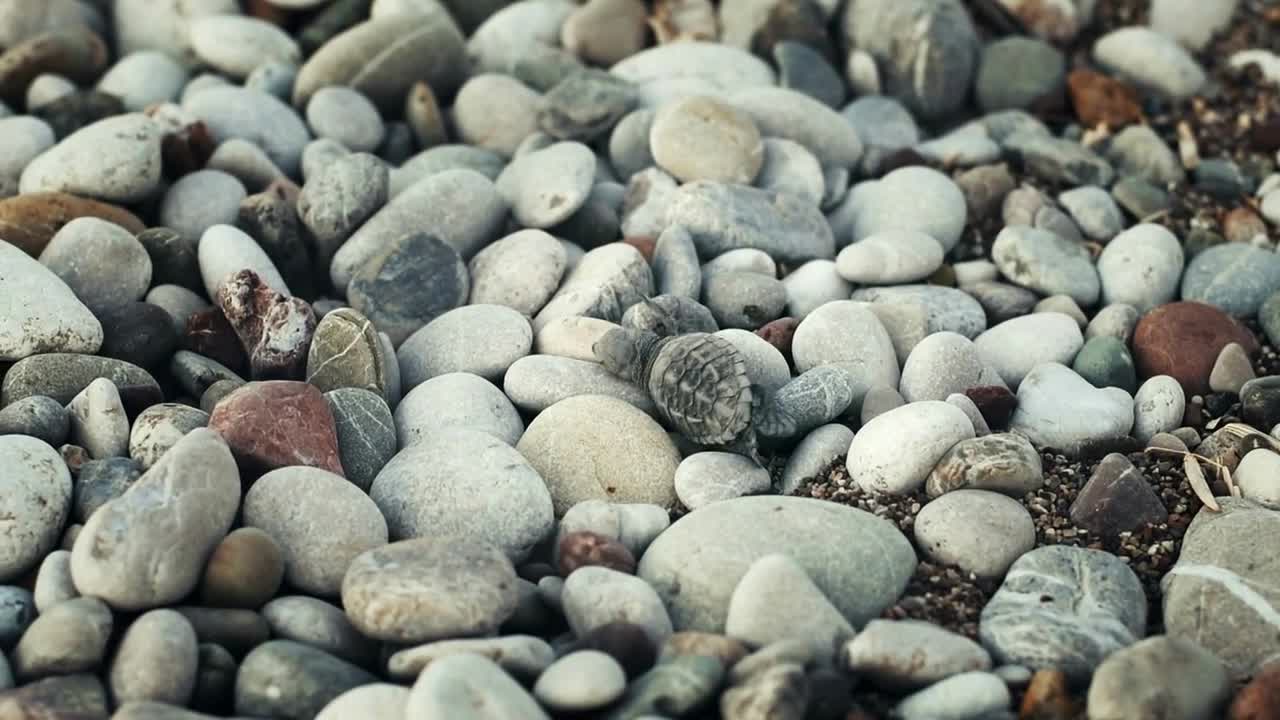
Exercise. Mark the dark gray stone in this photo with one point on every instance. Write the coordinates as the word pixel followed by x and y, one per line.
pixel 1222 179
pixel 197 373
pixel 415 279
pixel 1140 198
pixel 100 481
pixel 286 679
pixel 62 376
pixel 804 69
pixel 366 433
pixel 1118 498
pixel 1017 71
pixel 585 105
pixel 37 416
pixel 173 258
pixel 17 612
pixel 139 333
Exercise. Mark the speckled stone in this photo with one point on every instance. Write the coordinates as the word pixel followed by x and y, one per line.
pixel 278 423
pixel 413 280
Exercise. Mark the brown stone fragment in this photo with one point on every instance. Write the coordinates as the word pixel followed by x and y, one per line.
pixel 692 642
pixel 583 548
pixel 245 571
pixel 1103 100
pixel 76 53
pixel 779 334
pixel 1183 340
pixel 1048 698
pixel 276 424
pixel 1260 699
pixel 645 245
pixel 209 334
pixel 1242 225
pixel 186 149
pixel 274 330
pixel 1118 498
pixel 995 403
pixel 683 20
pixel 30 221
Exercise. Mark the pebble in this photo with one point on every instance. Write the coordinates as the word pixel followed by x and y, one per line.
pixel 812 285
pixel 882 205
pixel 537 382
pixel 372 700
pixel 459 400
pixel 282 678
pixel 244 571
pixel 383 57
pixel 224 251
pixel 678 69
pixel 61 376
pixel 1234 277
pixel 470 687
pixel 544 187
pixel 776 600
pixel 790 167
pixel 1015 347
pixel 634 525
pixel 481 339
pixel 116 159
pixel 887 31
pixel 1015 72
pixel 595 596
pixel 345 115
pixel 979 531
pixel 966 147
pixel 53 581
pixel 876 466
pixel 25 138
pixel 910 654
pixel 1183 340
pixel 314 622
pixel 581 681
pixel 939 365
pixel 524 656
pixel 477 112
pixel 414 591
pixel 413 280
pixel 820 448
pixel 706 477
pixel 233 112
pixel 1151 61
pixel 745 529
pixel 744 300
pixel 200 200
pixel 1141 267
pixel 345 353
pixel 706 138
pixel 889 258
pixel 234 44
pixel 44 315
pixel 320 520
pixel 520 271
pixel 946 308
pixel 1117 498
pixel 278 423
pixel 1137 681
pixel 1059 409
pixel 1064 607
pixel 722 217
pixel 1139 152
pixel 1094 211
pixel 1116 320
pixel 967 695
pixel 605 32
pixel 17 611
pixel 69 638
pixel 1254 476
pixel 785 113
pixel 37 497
pixel 98 421
pixel 339 198
pixel 469 484
pixel 157 660
pixel 40 417
pixel 1218 568
pixel 100 261
pixel 1046 263
pixel 849 335
pixel 766 366
pixel 1105 362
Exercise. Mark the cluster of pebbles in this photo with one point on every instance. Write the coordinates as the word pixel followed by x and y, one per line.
pixel 626 359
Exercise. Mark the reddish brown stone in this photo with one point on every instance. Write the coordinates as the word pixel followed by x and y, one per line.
pixel 275 330
pixel 1118 498
pixel 276 424
pixel 1183 339
pixel 779 333
pixel 582 548
pixel 30 221
pixel 264 10
pixel 626 642
pixel 77 54
pixel 995 403
pixel 644 244
pixel 75 457
pixel 184 149
pixel 1103 100
pixel 1048 698
pixel 209 334
pixel 1242 225
pixel 1264 135
pixel 1260 699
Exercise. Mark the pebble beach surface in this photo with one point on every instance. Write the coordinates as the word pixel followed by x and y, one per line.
pixel 639 359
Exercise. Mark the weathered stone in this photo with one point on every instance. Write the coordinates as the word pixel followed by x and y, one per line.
pixel 278 423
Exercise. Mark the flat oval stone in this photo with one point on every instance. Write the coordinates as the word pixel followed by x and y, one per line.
pixel 244 571
pixel 173 527
pixel 946 308
pixel 978 531
pixel 888 204
pixel 819 449
pixel 546 186
pixel 582 680
pixel 875 462
pixel 62 376
pixel 116 159
pixel 460 400
pixel 412 281
pixel 524 656
pixel 144 78
pixel 264 120
pixel 791 167
pixel 337 200
pixel 414 591
pixel 383 57
pixel 234 44
pixel 285 678
pixel 1001 462
pixel 889 258
pixel 595 447
pixel 708 477
pixel 705 138
pixel 1064 607
pixel 317 623
pixel 1234 277
pixel 939 365
pixel 157 660
pixel 757 618
pixel 861 580
pixel 346 116
pixel 909 654
pixel 366 433
pixel 480 339
pixel 520 271
pixel 595 596
pixel 970 694
pixel 1094 211
pixel 469 484
pixel 43 314
pixel 722 217
pixel 1047 263
pixel 1014 347
pixel 200 200
pixel 470 687
pixel 786 113
pixel 101 262
pixel 536 382
pixel 1141 267
pixel 478 112
pixel 320 520
pixel 37 496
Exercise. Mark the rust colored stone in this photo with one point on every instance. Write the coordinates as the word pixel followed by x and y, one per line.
pixel 245 571
pixel 1103 100
pixel 1183 339
pixel 76 53
pixel 995 403
pixel 278 423
pixel 209 334
pixel 626 642
pixel 644 244
pixel 779 334
pixel 1242 225
pixel 274 330
pixel 30 221
pixel 1048 698
pixel 264 10
pixel 1260 699
pixel 75 457
pixel 583 548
